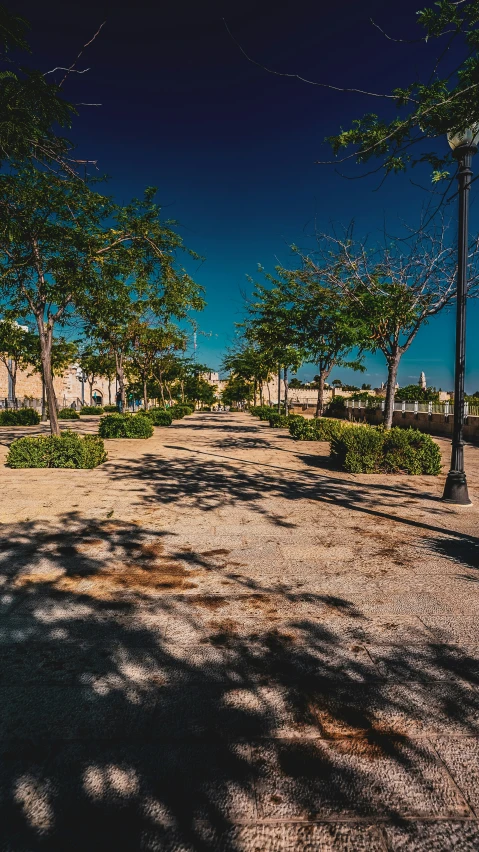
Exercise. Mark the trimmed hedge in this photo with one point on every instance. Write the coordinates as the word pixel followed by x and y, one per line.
pixel 68 450
pixel 159 417
pixel 68 414
pixel 412 451
pixel 180 410
pixel 110 409
pixel 318 429
pixel 19 417
pixel 282 420
pixel 125 426
pixel 91 409
pixel 369 449
pixel 264 412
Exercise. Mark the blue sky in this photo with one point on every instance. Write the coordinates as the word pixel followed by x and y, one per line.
pixel 231 148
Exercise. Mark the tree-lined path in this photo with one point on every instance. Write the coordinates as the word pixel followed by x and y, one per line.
pixel 214 641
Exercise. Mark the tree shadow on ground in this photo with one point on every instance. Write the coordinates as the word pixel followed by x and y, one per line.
pixel 86 425
pixel 210 480
pixel 139 712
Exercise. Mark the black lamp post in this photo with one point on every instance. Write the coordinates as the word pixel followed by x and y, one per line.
pixel 464 146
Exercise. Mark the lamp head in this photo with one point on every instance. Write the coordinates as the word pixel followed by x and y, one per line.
pixel 469 136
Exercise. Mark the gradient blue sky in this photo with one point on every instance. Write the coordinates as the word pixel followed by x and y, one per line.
pixel 231 148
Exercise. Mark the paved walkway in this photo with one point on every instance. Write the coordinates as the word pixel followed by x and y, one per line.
pixel 215 642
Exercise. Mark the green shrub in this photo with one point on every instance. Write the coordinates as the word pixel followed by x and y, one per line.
pixel 91 409
pixel 109 409
pixel 336 407
pixel 180 410
pixel 282 420
pixel 317 429
pixel 19 417
pixel 262 411
pixel 369 449
pixel 159 417
pixel 68 414
pixel 68 450
pixel 411 451
pixel 125 426
pixel 358 449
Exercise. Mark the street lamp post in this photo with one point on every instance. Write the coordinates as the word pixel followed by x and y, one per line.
pixel 464 146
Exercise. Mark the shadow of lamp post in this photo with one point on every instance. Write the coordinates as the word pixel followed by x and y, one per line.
pixel 464 146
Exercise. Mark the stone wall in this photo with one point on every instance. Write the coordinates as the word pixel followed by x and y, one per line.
pixel 434 424
pixel 68 388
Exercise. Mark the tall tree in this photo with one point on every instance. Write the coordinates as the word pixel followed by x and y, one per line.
pixel 16 346
pixel 268 325
pixel 249 362
pixel 153 350
pixel 321 322
pixel 65 248
pixel 445 100
pixel 32 107
pixel 140 278
pixel 393 289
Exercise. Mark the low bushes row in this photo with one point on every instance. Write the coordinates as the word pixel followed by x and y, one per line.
pixel 67 450
pixel 125 426
pixel 159 416
pixel 282 420
pixel 370 449
pixel 110 409
pixel 264 412
pixel 93 409
pixel 68 414
pixel 19 417
pixel 317 429
pixel 180 410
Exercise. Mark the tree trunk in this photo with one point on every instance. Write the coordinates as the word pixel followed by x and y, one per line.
pixel 13 377
pixel 162 392
pixel 46 339
pixel 279 389
pixel 323 375
pixel 109 390
pixel 120 374
pixel 269 394
pixel 393 364
pixel 255 390
pixel 44 403
pixel 285 374
pixel 182 391
pixel 261 393
pixel 145 396
pixel 91 390
pixel 168 388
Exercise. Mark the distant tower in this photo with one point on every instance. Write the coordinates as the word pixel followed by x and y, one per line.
pixel 422 381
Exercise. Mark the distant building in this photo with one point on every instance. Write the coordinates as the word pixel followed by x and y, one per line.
pixel 422 381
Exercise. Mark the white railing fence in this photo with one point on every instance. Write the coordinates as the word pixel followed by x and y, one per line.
pixel 445 408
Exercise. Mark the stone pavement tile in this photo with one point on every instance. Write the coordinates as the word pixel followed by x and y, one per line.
pixel 450 709
pixel 86 796
pixel 229 711
pixel 431 661
pixel 443 836
pixel 380 776
pixel 346 709
pixel 403 629
pixel 64 712
pixel 91 626
pixel 404 603
pixel 461 756
pixel 455 629
pixel 286 837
